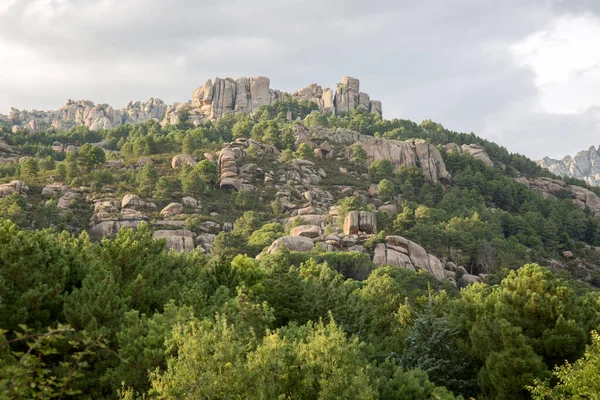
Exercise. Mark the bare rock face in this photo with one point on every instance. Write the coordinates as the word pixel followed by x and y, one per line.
pixel 108 218
pixel 111 227
pixel 360 221
pixel 133 202
pixel 468 279
pixel 401 252
pixel 178 240
pixel 226 95
pixel 85 113
pixel 346 95
pixel 231 184
pixel 210 101
pixel 7 152
pixel 171 209
pixel 410 153
pixel 53 190
pixel 293 243
pixel 245 95
pixel 548 187
pixel 389 209
pixel 309 231
pixel 66 200
pixel 351 223
pixel 13 187
pixel 191 202
pixel 476 151
pixel 183 159
pixel 584 165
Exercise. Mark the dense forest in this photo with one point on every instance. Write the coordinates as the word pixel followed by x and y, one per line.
pixel 117 316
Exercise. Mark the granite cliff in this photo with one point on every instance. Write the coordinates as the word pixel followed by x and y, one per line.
pixel 585 165
pixel 210 101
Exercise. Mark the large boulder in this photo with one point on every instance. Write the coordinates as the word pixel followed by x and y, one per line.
pixel 13 187
pixel 346 95
pixel 134 202
pixel 53 190
pixel 231 183
pixel 111 227
pixel 401 252
pixel 410 153
pixel 309 231
pixel 360 221
pixel 178 240
pixel 468 279
pixel 367 222
pixel 189 201
pixel 351 226
pixel 477 152
pixel 294 243
pixel 183 159
pixel 171 209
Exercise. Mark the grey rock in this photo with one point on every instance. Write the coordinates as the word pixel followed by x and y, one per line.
pixel 178 240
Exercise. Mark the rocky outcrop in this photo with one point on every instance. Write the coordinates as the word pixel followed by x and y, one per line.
pixel 7 153
pixel 13 187
pixel 133 202
pixel 178 240
pixel 401 252
pixel 410 153
pixel 349 97
pixel 246 95
pixel 323 98
pixel 171 209
pixel 309 231
pixel 85 113
pixel 294 243
pixel 109 217
pixel 183 159
pixel 476 151
pixel 360 221
pixel 53 190
pixel 580 196
pixel 210 101
pixel 323 151
pixel 584 165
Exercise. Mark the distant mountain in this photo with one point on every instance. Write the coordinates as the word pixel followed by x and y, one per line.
pixel 585 166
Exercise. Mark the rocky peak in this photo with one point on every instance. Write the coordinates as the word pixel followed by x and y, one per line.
pixel 226 95
pixel 210 101
pixel 584 165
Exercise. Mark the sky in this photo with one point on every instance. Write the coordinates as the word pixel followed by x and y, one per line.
pixel 523 73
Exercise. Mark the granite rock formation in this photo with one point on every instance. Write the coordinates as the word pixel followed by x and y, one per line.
pixel 584 165
pixel 410 153
pixel 580 196
pixel 210 101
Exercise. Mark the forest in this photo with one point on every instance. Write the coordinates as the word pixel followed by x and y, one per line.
pixel 120 317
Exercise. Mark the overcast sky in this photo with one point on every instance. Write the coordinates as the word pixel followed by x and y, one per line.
pixel 523 73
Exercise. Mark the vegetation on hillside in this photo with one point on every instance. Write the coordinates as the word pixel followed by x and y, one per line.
pixel 123 318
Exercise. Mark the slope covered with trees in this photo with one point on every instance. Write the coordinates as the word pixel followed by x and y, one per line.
pixel 270 289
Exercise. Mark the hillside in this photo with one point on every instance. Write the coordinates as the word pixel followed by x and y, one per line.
pixel 298 228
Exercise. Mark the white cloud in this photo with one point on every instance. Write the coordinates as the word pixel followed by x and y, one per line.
pixel 472 65
pixel 565 59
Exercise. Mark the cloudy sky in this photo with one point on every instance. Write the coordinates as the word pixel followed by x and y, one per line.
pixel 524 73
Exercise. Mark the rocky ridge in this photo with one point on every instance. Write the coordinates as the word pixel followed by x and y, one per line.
pixel 584 165
pixel 580 196
pixel 210 101
pixel 312 219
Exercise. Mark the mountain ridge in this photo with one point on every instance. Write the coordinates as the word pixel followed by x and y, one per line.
pixel 585 165
pixel 208 102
